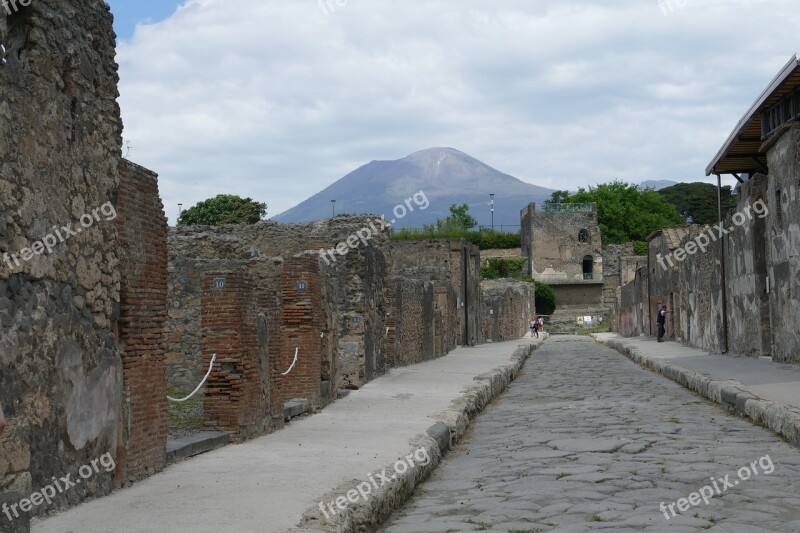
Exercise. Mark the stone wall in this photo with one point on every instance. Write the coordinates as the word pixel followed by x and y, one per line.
pixel 65 381
pixel 453 266
pixel 783 241
pixel 508 307
pixel 757 301
pixel 358 298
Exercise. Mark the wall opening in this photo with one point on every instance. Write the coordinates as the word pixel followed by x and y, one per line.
pixel 588 267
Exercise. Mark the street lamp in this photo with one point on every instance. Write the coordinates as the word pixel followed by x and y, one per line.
pixel 491 204
pixel 333 208
pixel 180 209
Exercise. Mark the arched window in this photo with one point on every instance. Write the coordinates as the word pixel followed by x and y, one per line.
pixel 588 267
pixel 583 235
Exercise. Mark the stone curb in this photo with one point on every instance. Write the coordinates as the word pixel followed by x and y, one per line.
pixel 367 516
pixel 734 396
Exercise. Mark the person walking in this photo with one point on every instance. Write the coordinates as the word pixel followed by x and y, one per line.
pixel 534 327
pixel 662 321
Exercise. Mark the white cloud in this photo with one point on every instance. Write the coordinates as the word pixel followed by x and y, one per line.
pixel 275 100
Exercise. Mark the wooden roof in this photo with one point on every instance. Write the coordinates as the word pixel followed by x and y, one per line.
pixel 742 153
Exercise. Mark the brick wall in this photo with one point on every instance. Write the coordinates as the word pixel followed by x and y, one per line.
pixel 301 327
pixel 508 307
pixel 142 229
pixel 236 396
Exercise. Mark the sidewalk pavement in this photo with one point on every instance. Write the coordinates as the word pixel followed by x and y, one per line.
pixel 268 484
pixel 766 392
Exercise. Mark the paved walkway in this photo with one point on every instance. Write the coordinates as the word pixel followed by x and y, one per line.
pixel 585 440
pixel 771 381
pixel 266 485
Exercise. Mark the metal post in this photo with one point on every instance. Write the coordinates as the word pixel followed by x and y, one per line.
pixel 722 266
pixel 333 208
pixel 491 204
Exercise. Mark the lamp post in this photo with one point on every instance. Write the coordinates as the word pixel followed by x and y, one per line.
pixel 491 204
pixel 180 210
pixel 333 208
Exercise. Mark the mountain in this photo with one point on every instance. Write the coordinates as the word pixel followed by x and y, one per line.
pixel 656 184
pixel 446 176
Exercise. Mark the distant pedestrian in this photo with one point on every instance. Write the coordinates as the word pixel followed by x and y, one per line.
pixel 662 321
pixel 534 327
pixel 540 321
pixel 2 420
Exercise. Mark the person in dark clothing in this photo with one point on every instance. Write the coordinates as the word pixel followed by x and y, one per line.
pixel 2 420
pixel 662 321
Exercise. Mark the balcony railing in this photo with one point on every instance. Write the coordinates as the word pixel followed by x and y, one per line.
pixel 588 276
pixel 550 207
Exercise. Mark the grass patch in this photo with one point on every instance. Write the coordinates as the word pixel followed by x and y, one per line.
pixel 562 475
pixel 596 518
pixel 187 415
pixel 482 526
pixel 672 420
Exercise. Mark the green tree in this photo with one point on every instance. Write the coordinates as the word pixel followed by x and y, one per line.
pixel 558 197
pixel 545 299
pixel 460 217
pixel 223 209
pixel 697 202
pixel 627 214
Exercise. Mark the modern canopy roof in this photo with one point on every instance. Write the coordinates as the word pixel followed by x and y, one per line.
pixel 742 152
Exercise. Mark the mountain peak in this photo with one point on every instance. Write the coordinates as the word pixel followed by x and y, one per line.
pixel 446 175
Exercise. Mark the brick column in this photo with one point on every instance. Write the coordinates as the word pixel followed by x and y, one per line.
pixel 142 229
pixel 301 326
pixel 236 398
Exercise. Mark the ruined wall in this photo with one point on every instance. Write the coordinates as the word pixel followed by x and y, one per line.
pixel 142 229
pixel 415 327
pixel 511 253
pixel 783 237
pixel 631 317
pixel 508 307
pixel 60 139
pixel 454 268
pixel 359 307
pixel 237 390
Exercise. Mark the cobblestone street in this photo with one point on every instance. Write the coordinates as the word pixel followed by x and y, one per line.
pixel 586 440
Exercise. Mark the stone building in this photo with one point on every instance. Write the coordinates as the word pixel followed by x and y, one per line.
pixel 563 245
pixel 82 353
pixel 734 288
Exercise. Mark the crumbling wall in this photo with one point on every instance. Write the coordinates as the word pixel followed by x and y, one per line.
pixel 359 308
pixel 60 139
pixel 508 307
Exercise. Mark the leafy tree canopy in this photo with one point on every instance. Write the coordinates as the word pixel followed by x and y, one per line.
pixel 223 209
pixel 697 202
pixel 460 217
pixel 624 212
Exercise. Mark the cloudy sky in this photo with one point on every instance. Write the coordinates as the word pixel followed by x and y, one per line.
pixel 277 99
